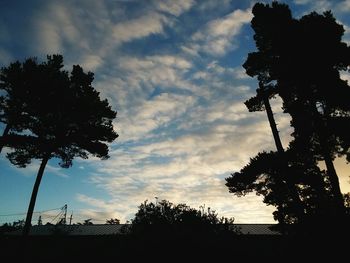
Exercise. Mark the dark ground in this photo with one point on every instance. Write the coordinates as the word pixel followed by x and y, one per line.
pixel 174 249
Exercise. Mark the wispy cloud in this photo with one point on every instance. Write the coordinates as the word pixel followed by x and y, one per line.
pixel 140 27
pixel 343 6
pixel 91 32
pixel 152 114
pixel 302 2
pixel 31 169
pixel 57 171
pixel 50 38
pixel 218 36
pixel 207 5
pixel 337 7
pixel 174 7
pixel 106 210
pixel 346 36
pixel 133 80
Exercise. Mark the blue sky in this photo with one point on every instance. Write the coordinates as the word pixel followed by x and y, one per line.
pixel 172 70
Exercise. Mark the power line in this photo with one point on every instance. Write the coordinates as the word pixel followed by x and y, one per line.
pixel 55 217
pixel 18 214
pixel 48 216
pixel 14 214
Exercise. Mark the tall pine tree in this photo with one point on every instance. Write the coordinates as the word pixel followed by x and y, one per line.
pixel 65 117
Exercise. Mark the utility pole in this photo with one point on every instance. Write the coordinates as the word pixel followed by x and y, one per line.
pixel 70 218
pixel 40 222
pixel 65 214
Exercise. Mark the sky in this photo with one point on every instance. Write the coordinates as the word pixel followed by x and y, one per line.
pixel 172 70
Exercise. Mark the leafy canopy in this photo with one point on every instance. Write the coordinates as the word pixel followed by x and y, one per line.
pixel 61 114
pixel 165 216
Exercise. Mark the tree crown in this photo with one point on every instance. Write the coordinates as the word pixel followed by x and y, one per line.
pixel 64 115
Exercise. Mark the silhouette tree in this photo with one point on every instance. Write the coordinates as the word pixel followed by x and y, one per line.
pixel 165 217
pixel 8 227
pixel 288 50
pixel 258 64
pixel 316 100
pixel 113 221
pixel 300 60
pixel 65 117
pixel 295 205
pixel 16 84
pixel 260 176
pixel 347 202
pixel 284 180
pixel 87 222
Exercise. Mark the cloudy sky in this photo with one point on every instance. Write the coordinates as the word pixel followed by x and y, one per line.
pixel 172 70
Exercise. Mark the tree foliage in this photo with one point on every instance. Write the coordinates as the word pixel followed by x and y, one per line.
pixel 347 202
pixel 86 222
pixel 166 217
pixel 299 60
pixel 64 113
pixel 10 227
pixel 113 221
pixel 50 113
pixel 261 175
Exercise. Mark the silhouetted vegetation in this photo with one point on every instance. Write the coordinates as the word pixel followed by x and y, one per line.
pixel 113 221
pixel 166 218
pixel 86 222
pixel 347 202
pixel 299 60
pixel 50 113
pixel 9 227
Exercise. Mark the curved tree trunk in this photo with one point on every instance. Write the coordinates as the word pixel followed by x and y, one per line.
pixel 324 136
pixel 4 134
pixel 39 176
pixel 273 125
pixel 284 165
pixel 334 181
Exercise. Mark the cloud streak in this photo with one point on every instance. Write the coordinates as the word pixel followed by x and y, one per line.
pixel 218 36
pixel 174 7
